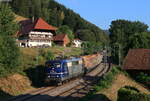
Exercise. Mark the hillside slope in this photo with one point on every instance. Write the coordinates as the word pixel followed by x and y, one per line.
pixel 58 15
pixel 17 83
pixel 121 81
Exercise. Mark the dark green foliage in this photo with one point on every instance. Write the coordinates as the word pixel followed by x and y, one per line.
pixel 91 47
pixel 132 88
pixel 66 30
pixel 58 15
pixel 126 35
pixel 9 52
pixel 8 26
pixel 36 75
pixel 48 55
pixel 9 55
pixel 140 40
pixel 143 78
pixel 107 80
pixel 86 35
pixel 132 94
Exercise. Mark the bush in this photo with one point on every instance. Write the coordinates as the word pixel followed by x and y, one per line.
pixel 49 56
pixel 107 80
pixel 132 88
pixel 9 55
pixel 9 52
pixel 132 94
pixel 91 47
pixel 143 77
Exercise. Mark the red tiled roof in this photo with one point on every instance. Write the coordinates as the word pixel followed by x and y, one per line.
pixel 137 59
pixel 41 24
pixel 59 37
pixel 28 25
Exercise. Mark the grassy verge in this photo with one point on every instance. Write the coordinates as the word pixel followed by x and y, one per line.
pixel 32 68
pixel 32 56
pixel 33 60
pixel 129 93
pixel 105 82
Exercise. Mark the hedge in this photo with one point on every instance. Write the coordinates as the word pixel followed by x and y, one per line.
pixel 132 94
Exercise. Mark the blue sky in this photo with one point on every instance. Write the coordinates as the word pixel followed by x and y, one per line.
pixel 102 12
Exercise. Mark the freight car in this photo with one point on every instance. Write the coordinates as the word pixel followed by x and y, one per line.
pixel 61 70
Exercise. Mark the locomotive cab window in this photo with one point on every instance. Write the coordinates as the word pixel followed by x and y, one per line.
pixel 57 65
pixel 75 63
pixel 50 65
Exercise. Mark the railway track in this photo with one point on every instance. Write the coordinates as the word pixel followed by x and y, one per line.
pixel 66 91
pixel 81 90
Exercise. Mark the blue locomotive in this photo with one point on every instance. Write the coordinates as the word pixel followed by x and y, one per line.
pixel 62 70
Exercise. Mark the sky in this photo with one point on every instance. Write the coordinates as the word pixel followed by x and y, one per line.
pixel 102 12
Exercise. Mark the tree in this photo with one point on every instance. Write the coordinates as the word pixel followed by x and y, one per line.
pixel 57 15
pixel 91 47
pixel 66 30
pixel 122 32
pixel 7 20
pixel 49 56
pixel 140 40
pixel 86 35
pixel 9 52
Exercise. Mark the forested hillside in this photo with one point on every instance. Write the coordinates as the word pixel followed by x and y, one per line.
pixel 58 15
pixel 125 35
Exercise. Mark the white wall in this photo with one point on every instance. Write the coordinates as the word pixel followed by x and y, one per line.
pixel 31 44
pixel 77 43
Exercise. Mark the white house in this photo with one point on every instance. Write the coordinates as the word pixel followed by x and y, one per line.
pixel 77 43
pixel 35 33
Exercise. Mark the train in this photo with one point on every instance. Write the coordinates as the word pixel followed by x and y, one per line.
pixel 62 70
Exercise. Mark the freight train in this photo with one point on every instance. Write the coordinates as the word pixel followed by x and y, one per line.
pixel 62 70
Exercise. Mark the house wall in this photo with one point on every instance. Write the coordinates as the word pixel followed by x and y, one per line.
pixel 32 44
pixel 60 43
pixel 77 43
pixel 66 40
pixel 36 34
pixel 36 38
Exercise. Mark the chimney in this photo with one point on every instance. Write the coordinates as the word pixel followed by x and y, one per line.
pixel 33 19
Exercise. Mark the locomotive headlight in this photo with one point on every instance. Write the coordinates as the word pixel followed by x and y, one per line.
pixel 49 76
pixel 57 76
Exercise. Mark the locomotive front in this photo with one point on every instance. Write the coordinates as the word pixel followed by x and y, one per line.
pixel 55 71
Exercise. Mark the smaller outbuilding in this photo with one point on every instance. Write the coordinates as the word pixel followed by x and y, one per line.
pixel 77 43
pixel 61 40
pixel 137 60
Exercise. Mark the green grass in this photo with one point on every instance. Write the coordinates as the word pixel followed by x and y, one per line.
pixel 32 56
pixel 33 60
pixel 132 94
pixel 105 82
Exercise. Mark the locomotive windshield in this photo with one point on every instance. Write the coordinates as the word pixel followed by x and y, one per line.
pixel 53 65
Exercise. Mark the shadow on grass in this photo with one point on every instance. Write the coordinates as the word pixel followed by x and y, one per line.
pixel 45 97
pixel 95 97
pixel 100 97
pixel 4 95
pixel 36 75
